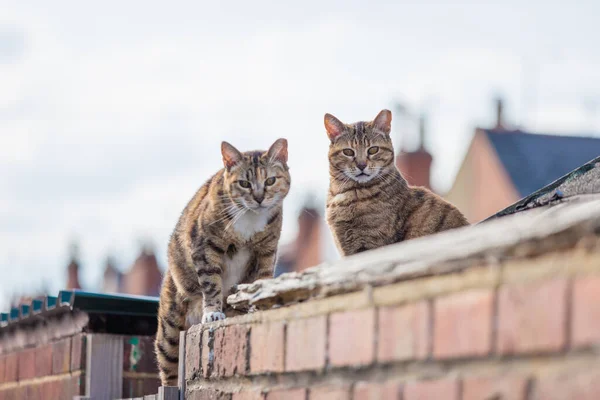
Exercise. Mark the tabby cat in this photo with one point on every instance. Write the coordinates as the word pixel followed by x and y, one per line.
pixel 370 204
pixel 227 234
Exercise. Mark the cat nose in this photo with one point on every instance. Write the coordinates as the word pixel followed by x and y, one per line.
pixel 361 166
pixel 259 199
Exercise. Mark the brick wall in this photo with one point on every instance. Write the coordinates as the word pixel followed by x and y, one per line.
pixel 56 370
pixel 520 330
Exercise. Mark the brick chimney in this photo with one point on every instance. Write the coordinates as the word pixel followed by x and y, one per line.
pixel 113 278
pixel 306 250
pixel 416 165
pixel 144 277
pixel 73 268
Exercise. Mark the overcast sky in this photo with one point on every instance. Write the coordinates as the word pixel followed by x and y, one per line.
pixel 111 113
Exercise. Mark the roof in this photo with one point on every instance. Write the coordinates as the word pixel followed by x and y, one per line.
pixel 535 160
pixel 584 180
pixel 106 311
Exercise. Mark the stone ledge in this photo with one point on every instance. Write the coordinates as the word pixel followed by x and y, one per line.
pixel 515 237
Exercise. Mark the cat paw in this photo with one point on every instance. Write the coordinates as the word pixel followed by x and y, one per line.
pixel 212 316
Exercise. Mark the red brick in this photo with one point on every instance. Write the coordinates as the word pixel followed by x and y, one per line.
pixel 11 367
pixel 78 350
pixel 505 388
pixel 21 393
pixel 61 356
pixel 43 361
pixel 138 354
pixel 26 364
pixel 53 389
pixel 266 347
pixel 10 394
pixel 287 394
pixel 230 349
pixel 2 367
pixel 6 394
pixel 403 332
pixel 446 389
pixel 352 338
pixel 377 391
pixel 305 345
pixel 586 311
pixel 207 353
pixel 207 394
pixel 192 353
pixel 580 385
pixel 330 393
pixel 248 395
pixel 532 317
pixel 463 324
pixel 34 392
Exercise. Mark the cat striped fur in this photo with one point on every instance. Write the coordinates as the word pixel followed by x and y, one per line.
pixel 227 234
pixel 369 203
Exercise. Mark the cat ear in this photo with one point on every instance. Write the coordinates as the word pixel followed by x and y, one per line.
pixel 278 151
pixel 334 127
pixel 383 121
pixel 231 155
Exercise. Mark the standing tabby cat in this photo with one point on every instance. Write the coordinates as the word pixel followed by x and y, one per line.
pixel 370 204
pixel 226 235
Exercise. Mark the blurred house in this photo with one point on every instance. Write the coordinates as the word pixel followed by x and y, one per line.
pixel 73 268
pixel 415 166
pixel 113 278
pixel 73 275
pixel 503 165
pixel 143 278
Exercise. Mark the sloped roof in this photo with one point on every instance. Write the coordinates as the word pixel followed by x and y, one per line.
pixel 142 308
pixel 582 181
pixel 534 160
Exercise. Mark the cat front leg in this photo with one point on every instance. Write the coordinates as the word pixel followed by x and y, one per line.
pixel 265 265
pixel 209 267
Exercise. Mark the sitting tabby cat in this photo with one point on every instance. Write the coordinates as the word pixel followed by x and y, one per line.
pixel 370 204
pixel 226 235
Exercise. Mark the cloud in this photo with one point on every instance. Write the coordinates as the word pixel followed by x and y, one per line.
pixel 109 121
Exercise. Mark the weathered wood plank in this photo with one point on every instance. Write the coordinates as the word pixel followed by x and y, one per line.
pixel 168 393
pixel 104 367
pixel 525 235
pixel 181 367
pixel 150 397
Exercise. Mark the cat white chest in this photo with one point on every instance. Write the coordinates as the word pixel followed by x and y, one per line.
pixel 235 268
pixel 250 223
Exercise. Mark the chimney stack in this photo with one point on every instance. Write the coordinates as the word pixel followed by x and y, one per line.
pixel 499 113
pixel 73 268
pixel 415 166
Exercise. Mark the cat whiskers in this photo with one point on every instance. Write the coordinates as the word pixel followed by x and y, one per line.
pixel 237 216
pixel 226 212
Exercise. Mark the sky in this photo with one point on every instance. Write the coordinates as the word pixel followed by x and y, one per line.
pixel 112 113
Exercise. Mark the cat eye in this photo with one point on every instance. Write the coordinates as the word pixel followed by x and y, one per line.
pixel 270 181
pixel 373 150
pixel 348 152
pixel 244 184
